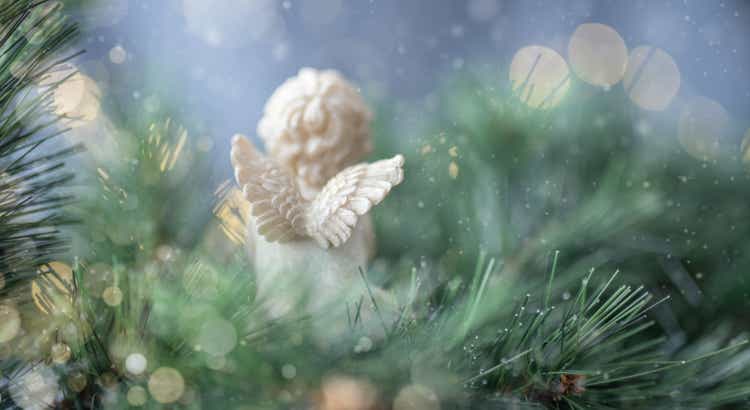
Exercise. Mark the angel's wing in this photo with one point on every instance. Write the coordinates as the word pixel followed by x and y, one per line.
pixel 333 214
pixel 276 203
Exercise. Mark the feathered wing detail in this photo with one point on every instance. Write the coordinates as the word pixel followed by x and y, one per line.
pixel 333 214
pixel 282 214
pixel 277 205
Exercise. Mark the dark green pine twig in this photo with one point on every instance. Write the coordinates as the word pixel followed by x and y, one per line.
pixel 33 36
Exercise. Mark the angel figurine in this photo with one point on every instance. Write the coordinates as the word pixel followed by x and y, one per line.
pixel 310 232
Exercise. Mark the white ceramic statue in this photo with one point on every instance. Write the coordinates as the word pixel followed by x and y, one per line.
pixel 310 232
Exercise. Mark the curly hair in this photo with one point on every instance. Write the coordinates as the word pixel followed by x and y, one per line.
pixel 315 125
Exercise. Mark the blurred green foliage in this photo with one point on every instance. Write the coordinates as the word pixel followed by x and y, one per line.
pixel 608 186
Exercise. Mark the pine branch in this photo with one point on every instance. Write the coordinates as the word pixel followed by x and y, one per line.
pixel 33 36
pixel 31 172
pixel 595 351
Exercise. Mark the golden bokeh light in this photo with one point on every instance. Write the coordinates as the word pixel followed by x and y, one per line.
pixel 52 291
pixel 166 385
pixel 453 170
pixel 78 100
pixel 345 393
pixel 702 125
pixel 112 296
pixel 137 396
pixel 233 213
pixel 416 397
pixel 77 382
pixel 597 54
pixel 540 76
pixel 652 79
pixel 160 139
pixel 10 323
pixel 60 353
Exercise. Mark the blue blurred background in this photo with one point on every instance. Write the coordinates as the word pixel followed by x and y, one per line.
pixel 214 63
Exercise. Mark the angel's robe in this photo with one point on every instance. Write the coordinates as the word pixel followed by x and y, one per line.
pixel 300 277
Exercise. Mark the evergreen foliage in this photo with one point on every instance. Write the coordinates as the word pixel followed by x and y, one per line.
pixel 539 259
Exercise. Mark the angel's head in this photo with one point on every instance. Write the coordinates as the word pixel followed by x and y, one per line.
pixel 315 125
